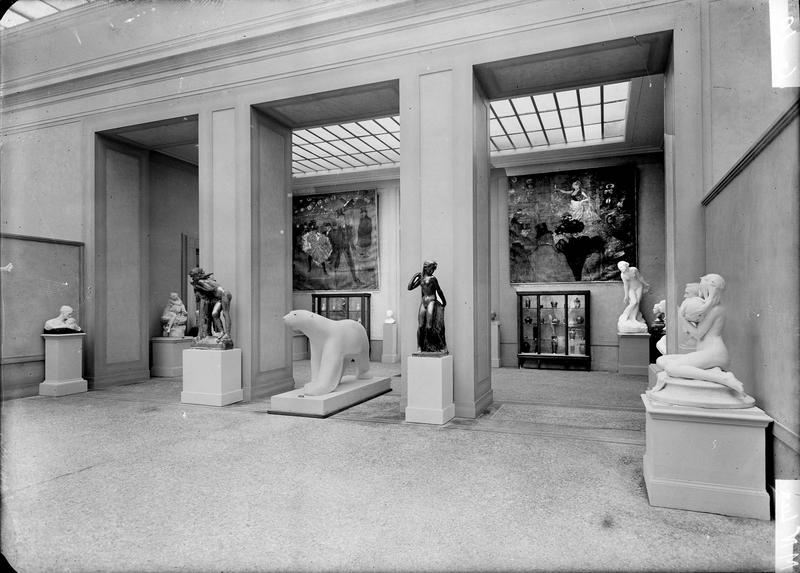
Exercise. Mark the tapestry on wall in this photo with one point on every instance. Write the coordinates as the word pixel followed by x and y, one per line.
pixel 572 225
pixel 335 241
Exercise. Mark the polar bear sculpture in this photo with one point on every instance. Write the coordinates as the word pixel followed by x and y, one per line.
pixel 332 343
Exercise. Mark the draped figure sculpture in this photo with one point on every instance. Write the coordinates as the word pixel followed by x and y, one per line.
pixel 213 311
pixel 634 286
pixel 430 330
pixel 705 319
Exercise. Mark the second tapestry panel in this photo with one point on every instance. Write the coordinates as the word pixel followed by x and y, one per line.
pixel 572 225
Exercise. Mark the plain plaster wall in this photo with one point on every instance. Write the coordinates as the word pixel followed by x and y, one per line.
pixel 605 297
pixel 754 243
pixel 174 210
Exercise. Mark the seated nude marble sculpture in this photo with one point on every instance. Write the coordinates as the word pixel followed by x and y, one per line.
pixel 174 317
pixel 430 329
pixel 213 311
pixel 634 286
pixel 64 323
pixel 333 342
pixel 705 318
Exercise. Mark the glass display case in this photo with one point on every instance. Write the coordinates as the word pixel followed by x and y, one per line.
pixel 554 329
pixel 354 306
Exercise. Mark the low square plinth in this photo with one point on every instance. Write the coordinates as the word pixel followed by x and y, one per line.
pixel 212 377
pixel 430 389
pixel 167 355
pixel 710 460
pixel 634 353
pixel 350 392
pixel 63 365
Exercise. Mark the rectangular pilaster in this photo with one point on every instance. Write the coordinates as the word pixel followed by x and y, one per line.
pixel 445 217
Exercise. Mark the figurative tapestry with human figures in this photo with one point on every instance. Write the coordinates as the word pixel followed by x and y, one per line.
pixel 335 241
pixel 572 225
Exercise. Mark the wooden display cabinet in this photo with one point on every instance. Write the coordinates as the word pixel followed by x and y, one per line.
pixel 354 306
pixel 553 328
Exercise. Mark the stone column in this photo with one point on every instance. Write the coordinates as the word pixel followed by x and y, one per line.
pixel 444 202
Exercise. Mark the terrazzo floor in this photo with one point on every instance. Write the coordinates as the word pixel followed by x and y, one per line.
pixel 549 478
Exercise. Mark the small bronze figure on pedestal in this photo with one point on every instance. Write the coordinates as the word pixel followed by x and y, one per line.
pixel 430 332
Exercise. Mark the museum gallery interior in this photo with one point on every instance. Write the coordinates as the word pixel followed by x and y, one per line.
pixel 399 220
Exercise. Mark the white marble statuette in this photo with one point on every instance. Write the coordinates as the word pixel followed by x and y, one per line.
pixel 174 317
pixel 64 323
pixel 390 319
pixel 634 286
pixel 701 378
pixel 332 343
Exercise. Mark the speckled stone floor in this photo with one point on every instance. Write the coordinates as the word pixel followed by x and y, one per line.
pixel 549 478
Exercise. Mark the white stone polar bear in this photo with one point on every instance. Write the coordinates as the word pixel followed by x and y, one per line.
pixel 332 343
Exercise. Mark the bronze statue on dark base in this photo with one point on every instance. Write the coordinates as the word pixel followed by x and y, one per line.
pixel 430 332
pixel 213 311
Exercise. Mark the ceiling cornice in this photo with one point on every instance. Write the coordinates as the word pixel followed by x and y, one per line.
pixel 132 69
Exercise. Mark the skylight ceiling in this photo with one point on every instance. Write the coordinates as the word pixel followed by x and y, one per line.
pixel 23 11
pixel 343 147
pixel 565 118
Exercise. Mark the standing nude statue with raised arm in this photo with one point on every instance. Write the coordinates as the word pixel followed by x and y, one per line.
pixel 430 332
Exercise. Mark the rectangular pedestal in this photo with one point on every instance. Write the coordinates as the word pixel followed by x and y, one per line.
pixel 348 393
pixel 708 460
pixel 390 355
pixel 63 365
pixel 495 338
pixel 634 353
pixel 430 389
pixel 167 355
pixel 212 377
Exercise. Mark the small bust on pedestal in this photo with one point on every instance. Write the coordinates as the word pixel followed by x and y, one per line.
pixel 390 319
pixel 430 331
pixel 174 317
pixel 634 286
pixel 64 323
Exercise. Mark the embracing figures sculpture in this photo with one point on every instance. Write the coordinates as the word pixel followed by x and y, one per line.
pixel 704 318
pixel 213 311
pixel 430 331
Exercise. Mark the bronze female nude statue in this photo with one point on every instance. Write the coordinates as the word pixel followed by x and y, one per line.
pixel 430 331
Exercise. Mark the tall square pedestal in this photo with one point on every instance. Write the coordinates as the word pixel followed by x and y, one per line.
pixel 63 365
pixel 212 377
pixel 495 338
pixel 634 353
pixel 710 460
pixel 389 355
pixel 167 355
pixel 430 389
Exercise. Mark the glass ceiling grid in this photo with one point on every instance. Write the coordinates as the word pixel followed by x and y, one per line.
pixel 589 115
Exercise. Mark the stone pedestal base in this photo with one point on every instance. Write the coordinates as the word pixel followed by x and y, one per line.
pixel 212 377
pixel 430 389
pixel 709 460
pixel 390 355
pixel 634 353
pixel 63 365
pixel 167 355
pixel 350 392
pixel 495 333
